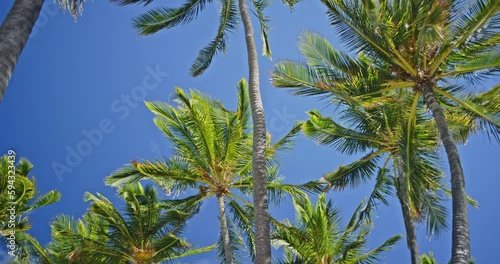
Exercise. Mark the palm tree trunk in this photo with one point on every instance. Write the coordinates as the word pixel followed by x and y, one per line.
pixel 261 211
pixel 224 229
pixel 411 232
pixel 460 249
pixel 14 33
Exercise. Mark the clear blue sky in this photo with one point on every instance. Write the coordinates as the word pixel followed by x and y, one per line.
pixel 74 78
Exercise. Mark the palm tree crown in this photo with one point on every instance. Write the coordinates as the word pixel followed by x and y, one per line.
pixel 318 237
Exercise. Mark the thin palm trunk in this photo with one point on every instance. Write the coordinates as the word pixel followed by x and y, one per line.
pixel 224 229
pixel 411 232
pixel 261 211
pixel 460 250
pixel 14 33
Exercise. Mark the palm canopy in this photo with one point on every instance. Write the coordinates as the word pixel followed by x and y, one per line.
pixel 396 153
pixel 25 198
pixel 212 145
pixel 213 157
pixel 146 231
pixel 318 237
pixel 330 73
pixel 167 17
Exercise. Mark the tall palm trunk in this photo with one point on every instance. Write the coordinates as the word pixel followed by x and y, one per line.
pixel 460 249
pixel 411 232
pixel 261 211
pixel 224 229
pixel 14 33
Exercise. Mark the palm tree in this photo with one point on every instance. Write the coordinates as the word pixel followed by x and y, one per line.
pixel 214 158
pixel 15 32
pixel 165 18
pixel 416 45
pixel 23 198
pixel 382 130
pixel 146 232
pixel 318 238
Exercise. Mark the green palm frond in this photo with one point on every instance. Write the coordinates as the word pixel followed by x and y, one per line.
pixel 353 174
pixel 132 2
pixel 46 199
pixel 165 18
pixel 173 175
pixel 374 256
pixel 358 31
pixel 286 142
pixel 243 111
pixel 383 187
pixel 424 259
pixel 260 5
pixel 308 81
pixel 487 116
pixel 482 65
pixel 478 14
pixel 194 251
pixel 437 214
pixel 237 244
pixel 319 53
pixel 102 207
pixel 243 220
pixel 228 23
pixel 325 131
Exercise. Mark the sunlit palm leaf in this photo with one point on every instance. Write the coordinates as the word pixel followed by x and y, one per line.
pixel 228 23
pixel 164 17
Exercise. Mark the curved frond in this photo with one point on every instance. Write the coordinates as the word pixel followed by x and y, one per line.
pixel 229 19
pixel 165 18
pixel 260 5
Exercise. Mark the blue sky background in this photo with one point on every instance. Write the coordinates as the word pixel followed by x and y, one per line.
pixel 72 76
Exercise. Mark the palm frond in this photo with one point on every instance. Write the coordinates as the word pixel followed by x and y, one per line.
pixel 373 256
pixel 353 174
pixel 260 5
pixel 286 142
pixel 325 131
pixel 165 18
pixel 478 14
pixel 46 199
pixel 437 214
pixel 74 7
pixel 243 219
pixel 320 54
pixel 132 2
pixel 236 242
pixel 383 187
pixel 228 23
